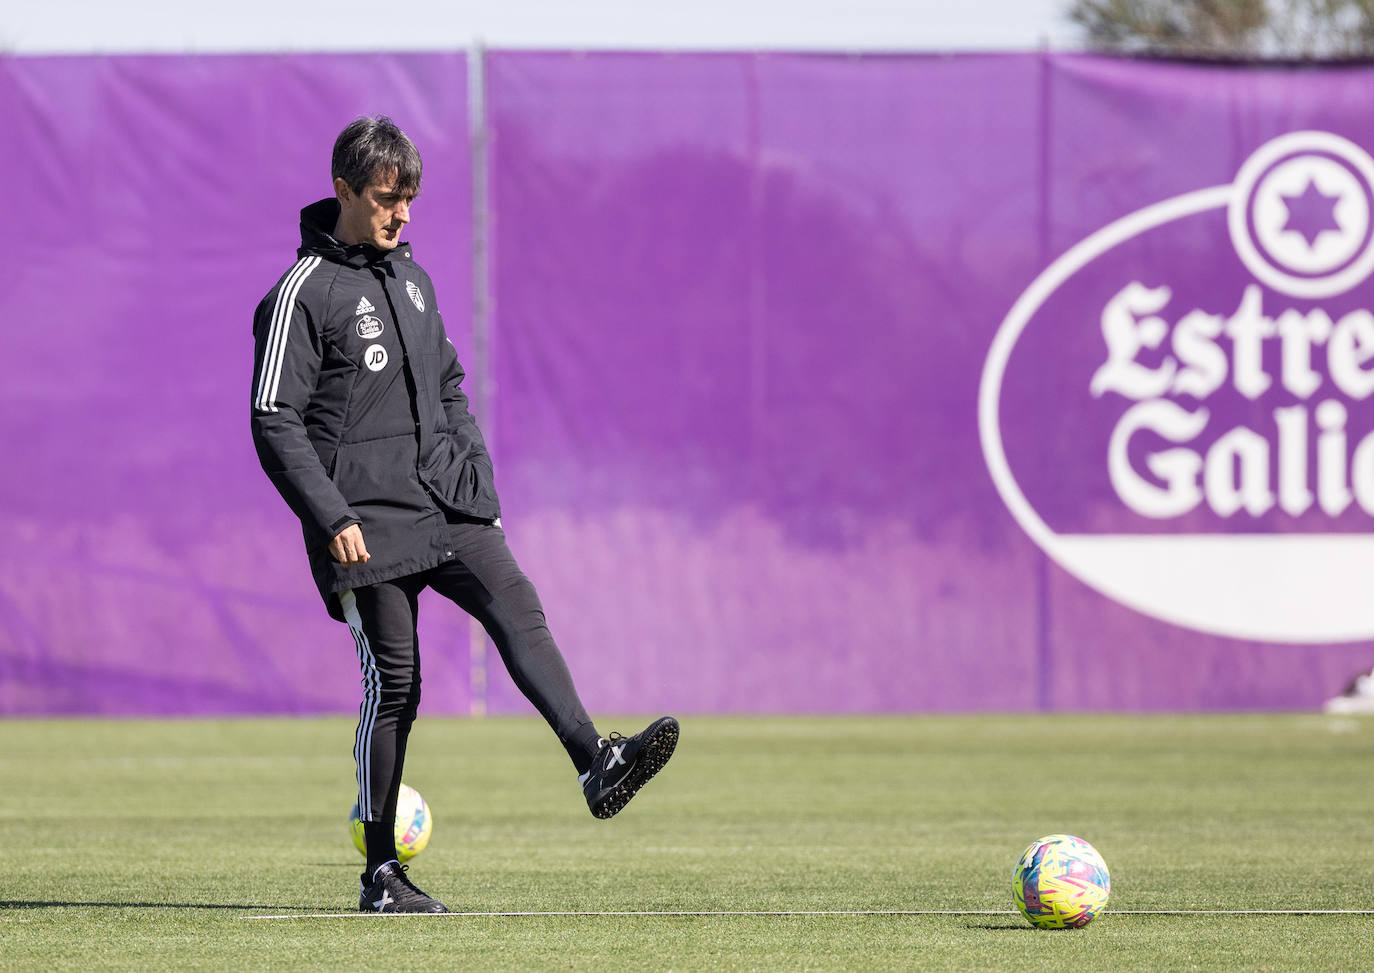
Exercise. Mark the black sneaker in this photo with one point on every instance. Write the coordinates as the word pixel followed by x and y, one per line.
pixel 625 764
pixel 391 891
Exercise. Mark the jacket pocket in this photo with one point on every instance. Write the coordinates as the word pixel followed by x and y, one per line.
pixel 461 475
pixel 379 471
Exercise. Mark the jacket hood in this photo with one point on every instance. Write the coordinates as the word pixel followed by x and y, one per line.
pixel 317 238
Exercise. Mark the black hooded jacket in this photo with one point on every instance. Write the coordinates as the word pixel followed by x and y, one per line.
pixel 358 414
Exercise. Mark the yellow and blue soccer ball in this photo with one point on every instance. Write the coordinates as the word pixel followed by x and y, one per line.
pixel 414 824
pixel 1061 882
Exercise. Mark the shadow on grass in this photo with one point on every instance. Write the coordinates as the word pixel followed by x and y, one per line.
pixel 59 904
pixel 1003 926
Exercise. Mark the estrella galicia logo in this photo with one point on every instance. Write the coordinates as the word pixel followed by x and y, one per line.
pixel 1179 410
pixel 369 327
pixel 416 297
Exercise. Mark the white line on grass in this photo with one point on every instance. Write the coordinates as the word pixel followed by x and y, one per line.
pixel 1238 912
pixel 818 912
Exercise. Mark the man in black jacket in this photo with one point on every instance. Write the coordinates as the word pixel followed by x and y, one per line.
pixel 361 423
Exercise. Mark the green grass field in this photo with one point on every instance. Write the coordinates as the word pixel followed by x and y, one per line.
pixel 157 845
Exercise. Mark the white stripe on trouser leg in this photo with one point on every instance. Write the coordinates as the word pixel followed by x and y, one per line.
pixel 367 710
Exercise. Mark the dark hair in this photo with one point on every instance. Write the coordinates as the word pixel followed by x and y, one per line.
pixel 373 146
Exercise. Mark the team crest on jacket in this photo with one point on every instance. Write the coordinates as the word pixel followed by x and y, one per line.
pixel 369 327
pixel 414 291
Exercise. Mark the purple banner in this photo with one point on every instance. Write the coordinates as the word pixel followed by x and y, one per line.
pixel 746 309
pixel 816 383
pixel 151 567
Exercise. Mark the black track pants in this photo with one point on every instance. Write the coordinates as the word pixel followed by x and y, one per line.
pixel 484 580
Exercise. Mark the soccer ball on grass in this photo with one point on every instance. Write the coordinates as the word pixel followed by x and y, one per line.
pixel 1061 882
pixel 414 825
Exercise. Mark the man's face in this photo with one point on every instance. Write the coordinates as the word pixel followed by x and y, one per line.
pixel 376 215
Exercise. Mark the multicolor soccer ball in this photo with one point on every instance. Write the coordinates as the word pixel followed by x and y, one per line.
pixel 1061 882
pixel 414 824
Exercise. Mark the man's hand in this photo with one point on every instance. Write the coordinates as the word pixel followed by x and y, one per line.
pixel 348 547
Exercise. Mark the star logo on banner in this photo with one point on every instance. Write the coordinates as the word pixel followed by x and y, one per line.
pixel 1308 219
pixel 1311 213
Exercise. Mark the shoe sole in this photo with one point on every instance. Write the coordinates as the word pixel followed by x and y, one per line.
pixel 653 755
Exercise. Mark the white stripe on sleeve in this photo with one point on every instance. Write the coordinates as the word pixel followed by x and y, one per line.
pixel 270 379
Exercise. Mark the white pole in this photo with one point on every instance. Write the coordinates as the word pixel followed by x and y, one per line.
pixel 480 374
